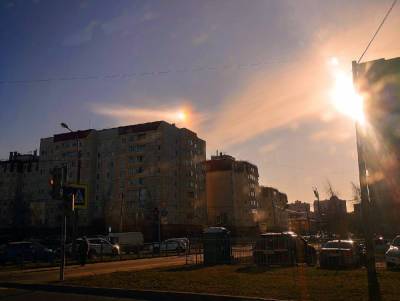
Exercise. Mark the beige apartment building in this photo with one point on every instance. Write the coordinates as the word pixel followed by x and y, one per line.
pixel 273 209
pixel 232 190
pixel 128 171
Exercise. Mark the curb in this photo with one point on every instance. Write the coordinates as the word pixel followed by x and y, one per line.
pixel 129 293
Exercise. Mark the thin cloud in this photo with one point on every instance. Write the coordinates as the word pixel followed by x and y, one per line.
pixel 200 39
pixel 83 36
pixel 182 115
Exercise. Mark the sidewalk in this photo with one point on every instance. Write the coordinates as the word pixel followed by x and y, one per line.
pixel 46 275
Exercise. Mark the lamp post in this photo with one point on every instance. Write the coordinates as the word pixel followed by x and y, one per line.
pixel 78 178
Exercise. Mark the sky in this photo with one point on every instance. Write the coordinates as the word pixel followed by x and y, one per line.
pixel 253 77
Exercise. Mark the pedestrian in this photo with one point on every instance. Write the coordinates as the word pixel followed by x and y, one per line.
pixel 83 250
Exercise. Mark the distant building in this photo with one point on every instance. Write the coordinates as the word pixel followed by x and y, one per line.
pixel 232 188
pixel 20 191
pixel 379 146
pixel 331 214
pixel 273 209
pixel 299 206
pixel 129 171
pixel 300 218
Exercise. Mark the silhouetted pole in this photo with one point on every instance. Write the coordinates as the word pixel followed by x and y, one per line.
pixel 373 284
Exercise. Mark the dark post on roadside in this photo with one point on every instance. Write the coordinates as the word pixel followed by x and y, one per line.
pixel 373 284
pixel 78 178
pixel 63 225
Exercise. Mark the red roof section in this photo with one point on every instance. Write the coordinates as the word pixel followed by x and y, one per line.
pixel 71 135
pixel 137 128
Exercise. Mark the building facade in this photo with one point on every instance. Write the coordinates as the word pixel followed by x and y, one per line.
pixel 128 171
pixel 378 144
pixel 20 192
pixel 273 209
pixel 232 192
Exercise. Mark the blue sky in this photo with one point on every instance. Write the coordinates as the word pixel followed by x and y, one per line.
pixel 251 75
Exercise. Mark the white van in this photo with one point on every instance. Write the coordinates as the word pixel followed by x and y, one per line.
pixel 127 241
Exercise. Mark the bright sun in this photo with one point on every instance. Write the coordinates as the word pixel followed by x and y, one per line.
pixel 181 116
pixel 345 97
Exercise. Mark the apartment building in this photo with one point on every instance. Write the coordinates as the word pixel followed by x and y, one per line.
pixel 20 191
pixel 273 209
pixel 128 171
pixel 232 190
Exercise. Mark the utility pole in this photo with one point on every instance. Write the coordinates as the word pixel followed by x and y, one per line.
pixel 63 225
pixel 373 284
pixel 75 215
pixel 121 213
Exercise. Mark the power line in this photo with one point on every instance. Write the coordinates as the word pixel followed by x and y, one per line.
pixel 376 32
pixel 147 73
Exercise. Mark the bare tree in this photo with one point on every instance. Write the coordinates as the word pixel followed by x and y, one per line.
pixel 330 191
pixel 356 192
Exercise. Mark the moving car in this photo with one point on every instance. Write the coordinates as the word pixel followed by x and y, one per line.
pixel 128 241
pixel 97 246
pixel 392 256
pixel 340 253
pixel 285 248
pixel 18 252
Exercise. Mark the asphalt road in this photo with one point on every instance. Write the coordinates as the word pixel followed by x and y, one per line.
pixel 23 295
pixel 52 274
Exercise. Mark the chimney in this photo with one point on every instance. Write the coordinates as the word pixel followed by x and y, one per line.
pixel 35 153
pixel 11 156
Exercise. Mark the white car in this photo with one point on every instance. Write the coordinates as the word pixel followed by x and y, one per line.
pixel 175 245
pixel 392 255
pixel 97 247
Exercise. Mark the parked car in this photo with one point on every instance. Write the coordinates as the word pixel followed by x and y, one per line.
pixel 97 246
pixel 392 256
pixel 127 241
pixel 286 248
pixel 341 253
pixel 18 252
pixel 381 245
pixel 172 245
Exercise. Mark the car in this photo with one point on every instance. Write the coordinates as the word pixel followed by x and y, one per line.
pixel 18 252
pixel 392 256
pixel 97 246
pixel 171 245
pixel 381 245
pixel 128 241
pixel 341 254
pixel 284 248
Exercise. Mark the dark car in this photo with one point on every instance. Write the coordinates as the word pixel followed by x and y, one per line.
pixel 18 252
pixel 286 248
pixel 341 254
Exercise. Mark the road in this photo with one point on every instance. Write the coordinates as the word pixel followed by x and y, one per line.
pixel 52 274
pixel 22 295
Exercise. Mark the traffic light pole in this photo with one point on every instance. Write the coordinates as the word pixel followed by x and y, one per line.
pixel 63 229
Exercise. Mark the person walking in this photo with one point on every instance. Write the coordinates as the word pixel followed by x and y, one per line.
pixel 83 250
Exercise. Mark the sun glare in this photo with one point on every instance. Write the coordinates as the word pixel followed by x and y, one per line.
pixel 181 116
pixel 345 97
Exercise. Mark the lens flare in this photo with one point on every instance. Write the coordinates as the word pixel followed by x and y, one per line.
pixel 181 116
pixel 345 98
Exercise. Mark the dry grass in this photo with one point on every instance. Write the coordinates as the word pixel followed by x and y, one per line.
pixel 301 283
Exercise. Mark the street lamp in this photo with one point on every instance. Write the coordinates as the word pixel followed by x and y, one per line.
pixel 78 177
pixel 78 153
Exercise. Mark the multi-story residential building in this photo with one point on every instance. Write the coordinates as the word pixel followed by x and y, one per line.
pixel 331 215
pixel 273 209
pixel 299 206
pixel 378 144
pixel 232 191
pixel 20 192
pixel 129 171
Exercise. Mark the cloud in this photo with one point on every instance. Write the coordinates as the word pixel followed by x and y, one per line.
pixel 82 36
pixel 269 147
pixel 183 115
pixel 127 22
pixel 200 39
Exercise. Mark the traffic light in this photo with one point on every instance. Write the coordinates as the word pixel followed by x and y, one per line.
pixel 55 183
